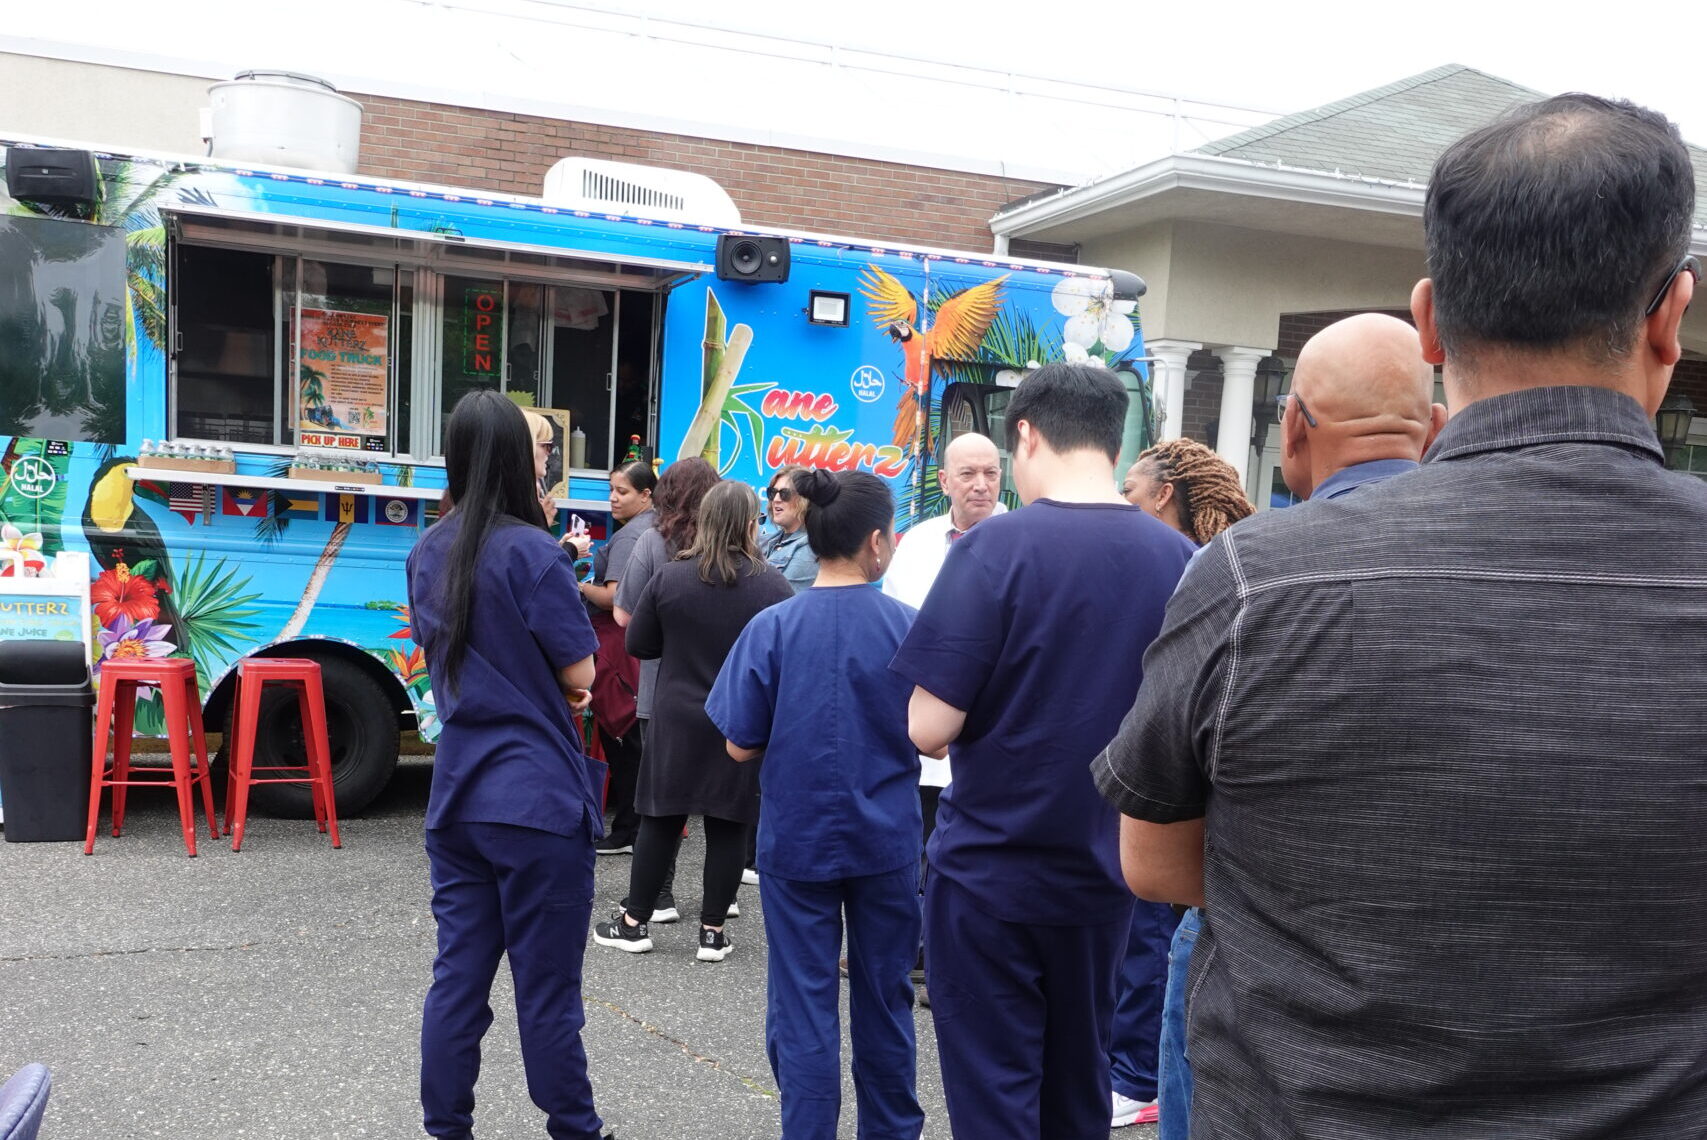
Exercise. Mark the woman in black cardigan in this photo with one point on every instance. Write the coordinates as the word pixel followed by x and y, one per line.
pixel 689 616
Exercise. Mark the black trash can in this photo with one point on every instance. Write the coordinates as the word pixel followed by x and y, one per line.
pixel 46 740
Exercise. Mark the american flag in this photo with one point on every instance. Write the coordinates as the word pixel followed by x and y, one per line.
pixel 187 499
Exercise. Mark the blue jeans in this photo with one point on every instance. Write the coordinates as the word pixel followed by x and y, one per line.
pixel 1175 1094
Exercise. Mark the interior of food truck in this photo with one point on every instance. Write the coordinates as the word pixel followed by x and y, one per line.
pixel 275 334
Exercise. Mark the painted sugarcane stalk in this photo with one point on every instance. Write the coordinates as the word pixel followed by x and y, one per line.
pixel 715 324
pixel 710 412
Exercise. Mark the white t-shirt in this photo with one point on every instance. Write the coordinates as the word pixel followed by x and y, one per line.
pixel 918 558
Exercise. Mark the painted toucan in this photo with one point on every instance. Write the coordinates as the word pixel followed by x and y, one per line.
pixel 120 532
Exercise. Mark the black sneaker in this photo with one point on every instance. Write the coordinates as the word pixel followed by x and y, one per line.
pixel 618 934
pixel 714 945
pixel 664 910
pixel 610 846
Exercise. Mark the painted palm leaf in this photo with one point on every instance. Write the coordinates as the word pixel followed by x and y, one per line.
pixel 736 413
pixel 270 526
pixel 213 613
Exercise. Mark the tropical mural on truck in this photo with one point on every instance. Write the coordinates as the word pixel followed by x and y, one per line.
pixel 215 566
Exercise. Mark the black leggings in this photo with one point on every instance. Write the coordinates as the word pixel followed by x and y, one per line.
pixel 655 856
pixel 623 756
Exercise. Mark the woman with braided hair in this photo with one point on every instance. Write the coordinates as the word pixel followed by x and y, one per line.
pixel 1189 487
pixel 1199 494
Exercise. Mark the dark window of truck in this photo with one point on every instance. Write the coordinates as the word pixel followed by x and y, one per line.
pixel 62 329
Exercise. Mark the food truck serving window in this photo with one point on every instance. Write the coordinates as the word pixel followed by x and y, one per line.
pixel 290 351
pixel 290 336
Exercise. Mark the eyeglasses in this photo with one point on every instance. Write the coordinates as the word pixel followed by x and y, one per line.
pixel 1688 265
pixel 1280 408
pixel 782 494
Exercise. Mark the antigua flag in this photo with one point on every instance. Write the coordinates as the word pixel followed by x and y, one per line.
pixel 245 502
pixel 186 499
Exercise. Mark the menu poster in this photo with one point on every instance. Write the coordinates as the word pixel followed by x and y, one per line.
pixel 343 360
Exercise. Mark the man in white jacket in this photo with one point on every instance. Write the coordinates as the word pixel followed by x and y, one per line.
pixel 971 478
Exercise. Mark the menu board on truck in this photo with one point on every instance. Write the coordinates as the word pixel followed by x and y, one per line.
pixel 343 360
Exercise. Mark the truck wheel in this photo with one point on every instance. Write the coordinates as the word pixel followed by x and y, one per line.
pixel 361 726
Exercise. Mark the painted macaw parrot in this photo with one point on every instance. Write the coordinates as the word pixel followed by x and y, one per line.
pixel 957 328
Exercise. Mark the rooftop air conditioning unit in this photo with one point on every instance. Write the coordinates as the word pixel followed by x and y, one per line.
pixel 646 191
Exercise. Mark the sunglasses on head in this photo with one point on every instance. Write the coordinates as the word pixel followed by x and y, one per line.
pixel 1688 265
pixel 1283 399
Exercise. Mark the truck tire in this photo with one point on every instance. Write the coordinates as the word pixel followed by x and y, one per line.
pixel 361 725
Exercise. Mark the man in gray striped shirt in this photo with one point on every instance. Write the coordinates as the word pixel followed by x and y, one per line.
pixel 1435 754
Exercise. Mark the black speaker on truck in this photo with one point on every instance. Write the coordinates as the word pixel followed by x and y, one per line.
pixel 51 174
pixel 753 259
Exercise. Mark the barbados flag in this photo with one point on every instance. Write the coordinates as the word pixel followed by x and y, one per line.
pixel 342 508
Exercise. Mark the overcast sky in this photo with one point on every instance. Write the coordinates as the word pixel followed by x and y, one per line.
pixel 1267 57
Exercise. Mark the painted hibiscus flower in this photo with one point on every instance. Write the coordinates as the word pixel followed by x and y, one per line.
pixel 118 593
pixel 134 641
pixel 28 546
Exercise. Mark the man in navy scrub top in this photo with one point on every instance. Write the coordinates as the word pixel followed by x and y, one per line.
pixel 1024 658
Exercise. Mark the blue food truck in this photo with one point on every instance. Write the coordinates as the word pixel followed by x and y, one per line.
pixel 228 386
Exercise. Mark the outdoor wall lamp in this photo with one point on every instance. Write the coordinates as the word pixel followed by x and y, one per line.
pixel 1671 424
pixel 1270 379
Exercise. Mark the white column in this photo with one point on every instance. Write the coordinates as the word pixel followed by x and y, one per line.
pixel 1168 380
pixel 1238 381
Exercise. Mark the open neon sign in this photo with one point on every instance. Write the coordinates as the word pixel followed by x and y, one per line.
pixel 482 306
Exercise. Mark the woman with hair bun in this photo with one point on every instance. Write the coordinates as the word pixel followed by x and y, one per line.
pixel 808 686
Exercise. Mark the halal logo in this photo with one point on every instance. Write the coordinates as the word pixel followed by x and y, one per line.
pixel 867 383
pixel 33 478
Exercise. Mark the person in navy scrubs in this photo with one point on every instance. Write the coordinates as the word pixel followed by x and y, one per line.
pixel 1025 657
pixel 808 686
pixel 514 809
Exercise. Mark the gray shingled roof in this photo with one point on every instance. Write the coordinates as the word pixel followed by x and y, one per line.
pixel 1397 131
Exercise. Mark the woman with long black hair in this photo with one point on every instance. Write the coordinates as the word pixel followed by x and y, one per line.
pixel 808 686
pixel 514 808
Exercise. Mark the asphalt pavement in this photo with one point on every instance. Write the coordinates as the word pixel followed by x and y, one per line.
pixel 277 992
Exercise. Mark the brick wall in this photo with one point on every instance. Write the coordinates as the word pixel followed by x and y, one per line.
pixel 773 186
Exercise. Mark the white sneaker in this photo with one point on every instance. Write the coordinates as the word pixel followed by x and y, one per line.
pixel 734 910
pixel 750 877
pixel 1128 1111
pixel 666 914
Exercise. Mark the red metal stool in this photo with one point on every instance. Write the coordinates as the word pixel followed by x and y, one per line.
pixel 121 681
pixel 302 676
